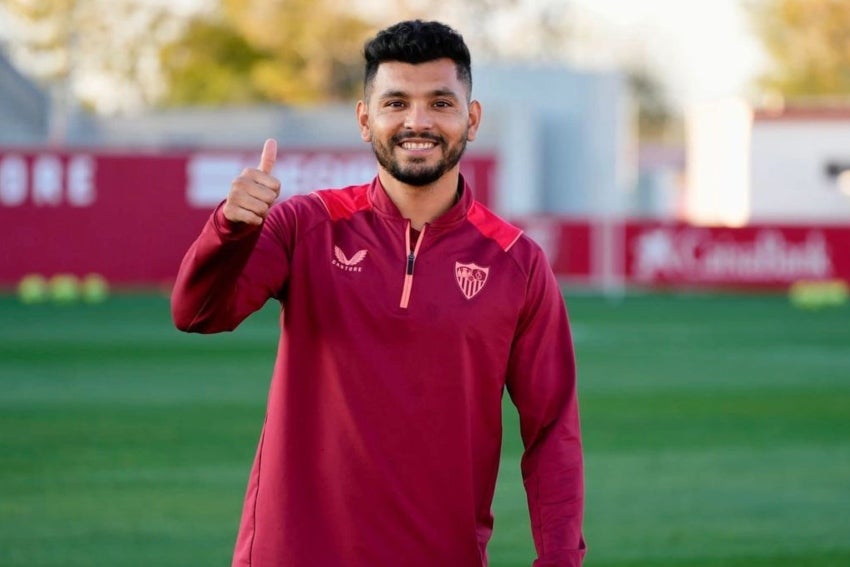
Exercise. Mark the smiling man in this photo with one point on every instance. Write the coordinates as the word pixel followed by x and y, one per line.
pixel 407 309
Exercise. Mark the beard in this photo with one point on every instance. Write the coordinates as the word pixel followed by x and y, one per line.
pixel 416 172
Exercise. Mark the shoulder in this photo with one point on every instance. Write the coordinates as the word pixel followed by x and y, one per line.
pixel 343 203
pixel 524 252
pixel 511 239
pixel 492 226
pixel 303 212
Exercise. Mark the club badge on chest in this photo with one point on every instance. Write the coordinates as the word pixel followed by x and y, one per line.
pixel 470 278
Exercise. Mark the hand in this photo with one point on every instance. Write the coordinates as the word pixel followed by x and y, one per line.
pixel 254 192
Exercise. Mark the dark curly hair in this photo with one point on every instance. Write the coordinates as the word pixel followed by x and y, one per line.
pixel 417 42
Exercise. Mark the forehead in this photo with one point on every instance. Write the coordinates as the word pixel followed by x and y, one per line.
pixel 440 74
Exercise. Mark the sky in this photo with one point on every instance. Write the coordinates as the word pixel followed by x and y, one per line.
pixel 703 49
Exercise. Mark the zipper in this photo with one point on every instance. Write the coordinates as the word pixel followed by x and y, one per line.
pixel 411 260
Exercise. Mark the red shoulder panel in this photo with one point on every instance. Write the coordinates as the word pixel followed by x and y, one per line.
pixel 493 227
pixel 342 203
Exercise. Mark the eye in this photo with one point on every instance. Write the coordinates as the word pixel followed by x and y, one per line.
pixel 443 104
pixel 394 103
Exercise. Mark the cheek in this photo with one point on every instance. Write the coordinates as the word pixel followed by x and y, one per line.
pixel 457 132
pixel 380 127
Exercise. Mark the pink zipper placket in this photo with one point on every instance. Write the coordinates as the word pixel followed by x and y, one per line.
pixel 411 260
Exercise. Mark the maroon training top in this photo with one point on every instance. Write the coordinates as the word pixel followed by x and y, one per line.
pixel 382 435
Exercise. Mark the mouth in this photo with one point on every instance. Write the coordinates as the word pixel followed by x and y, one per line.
pixel 417 146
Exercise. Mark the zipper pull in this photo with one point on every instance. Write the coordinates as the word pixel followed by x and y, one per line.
pixel 410 259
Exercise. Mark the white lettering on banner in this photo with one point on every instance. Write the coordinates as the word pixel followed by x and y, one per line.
pixel 47 180
pixel 13 180
pixel 692 255
pixel 303 173
pixel 210 175
pixel 51 183
pixel 81 188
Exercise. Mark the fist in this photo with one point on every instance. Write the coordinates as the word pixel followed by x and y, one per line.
pixel 254 191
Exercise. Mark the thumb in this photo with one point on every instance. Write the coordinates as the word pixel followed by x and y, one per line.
pixel 269 155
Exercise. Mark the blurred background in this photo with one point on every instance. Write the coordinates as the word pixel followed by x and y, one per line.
pixel 684 164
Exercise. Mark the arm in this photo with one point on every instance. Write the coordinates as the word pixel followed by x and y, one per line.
pixel 542 384
pixel 241 257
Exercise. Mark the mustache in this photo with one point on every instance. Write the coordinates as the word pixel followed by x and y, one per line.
pixel 401 137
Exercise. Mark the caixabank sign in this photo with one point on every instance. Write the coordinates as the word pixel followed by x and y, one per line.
pixel 751 256
pixel 657 254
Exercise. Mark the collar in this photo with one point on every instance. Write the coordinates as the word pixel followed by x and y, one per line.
pixel 384 206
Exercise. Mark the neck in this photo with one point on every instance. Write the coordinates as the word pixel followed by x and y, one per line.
pixel 421 204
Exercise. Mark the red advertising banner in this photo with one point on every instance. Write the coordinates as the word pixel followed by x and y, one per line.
pixel 755 256
pixel 566 243
pixel 131 216
pixel 656 254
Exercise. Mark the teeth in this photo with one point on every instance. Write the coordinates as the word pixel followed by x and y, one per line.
pixel 417 145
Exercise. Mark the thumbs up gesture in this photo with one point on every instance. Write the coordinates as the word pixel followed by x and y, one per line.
pixel 254 191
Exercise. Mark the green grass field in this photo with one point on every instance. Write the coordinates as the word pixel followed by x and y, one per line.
pixel 717 433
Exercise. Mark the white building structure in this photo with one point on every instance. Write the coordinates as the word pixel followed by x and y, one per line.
pixel 24 108
pixel 800 166
pixel 785 166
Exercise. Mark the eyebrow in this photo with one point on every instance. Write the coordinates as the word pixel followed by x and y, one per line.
pixel 444 92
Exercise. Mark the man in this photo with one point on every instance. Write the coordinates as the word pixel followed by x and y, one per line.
pixel 407 309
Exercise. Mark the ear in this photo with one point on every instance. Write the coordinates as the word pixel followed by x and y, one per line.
pixel 363 121
pixel 474 119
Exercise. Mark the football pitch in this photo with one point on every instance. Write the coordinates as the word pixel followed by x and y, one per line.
pixel 716 430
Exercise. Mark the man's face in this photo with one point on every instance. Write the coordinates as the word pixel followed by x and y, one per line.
pixel 418 119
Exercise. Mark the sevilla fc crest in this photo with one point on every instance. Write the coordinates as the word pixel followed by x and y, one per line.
pixel 470 278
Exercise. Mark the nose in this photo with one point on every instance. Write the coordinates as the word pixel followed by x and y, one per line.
pixel 418 118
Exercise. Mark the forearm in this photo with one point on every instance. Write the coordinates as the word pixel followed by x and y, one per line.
pixel 552 463
pixel 553 475
pixel 206 297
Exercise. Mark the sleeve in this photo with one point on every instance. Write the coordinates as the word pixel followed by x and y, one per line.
pixel 231 270
pixel 542 384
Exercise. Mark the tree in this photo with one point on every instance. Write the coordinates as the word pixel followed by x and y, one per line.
pixel 210 64
pixel 287 51
pixel 100 52
pixel 124 55
pixel 808 44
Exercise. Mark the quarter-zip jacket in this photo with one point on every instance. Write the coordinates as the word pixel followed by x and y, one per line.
pixel 383 429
